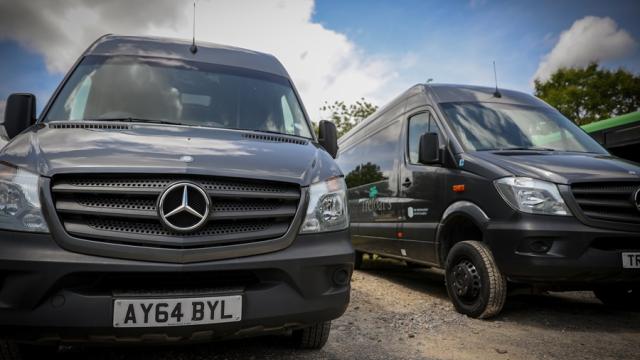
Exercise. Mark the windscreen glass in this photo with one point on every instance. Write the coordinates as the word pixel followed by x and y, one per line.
pixel 181 92
pixel 484 126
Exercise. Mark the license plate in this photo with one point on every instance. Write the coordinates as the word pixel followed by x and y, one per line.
pixel 176 312
pixel 631 260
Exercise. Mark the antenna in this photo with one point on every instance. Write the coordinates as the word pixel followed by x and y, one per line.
pixel 495 77
pixel 194 48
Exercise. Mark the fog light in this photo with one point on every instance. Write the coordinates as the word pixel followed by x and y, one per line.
pixel 341 276
pixel 540 246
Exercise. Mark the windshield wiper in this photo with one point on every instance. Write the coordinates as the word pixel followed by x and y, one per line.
pixel 140 120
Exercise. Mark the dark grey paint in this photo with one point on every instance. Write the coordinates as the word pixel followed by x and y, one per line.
pixel 147 148
pixel 35 266
pixel 503 228
pixel 179 49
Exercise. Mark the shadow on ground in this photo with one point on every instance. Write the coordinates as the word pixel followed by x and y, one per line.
pixel 276 347
pixel 576 311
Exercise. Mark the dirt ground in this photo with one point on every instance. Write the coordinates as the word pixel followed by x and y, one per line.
pixel 402 313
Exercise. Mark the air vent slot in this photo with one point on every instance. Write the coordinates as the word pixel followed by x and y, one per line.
pixel 274 138
pixel 90 126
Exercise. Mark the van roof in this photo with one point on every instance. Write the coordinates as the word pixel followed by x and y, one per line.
pixel 443 93
pixel 113 45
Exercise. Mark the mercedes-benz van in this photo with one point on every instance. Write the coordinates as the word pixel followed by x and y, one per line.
pixel 169 193
pixel 495 187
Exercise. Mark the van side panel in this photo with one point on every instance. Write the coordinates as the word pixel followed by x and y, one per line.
pixel 370 162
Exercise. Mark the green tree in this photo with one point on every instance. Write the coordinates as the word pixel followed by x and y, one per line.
pixel 590 93
pixel 364 174
pixel 346 116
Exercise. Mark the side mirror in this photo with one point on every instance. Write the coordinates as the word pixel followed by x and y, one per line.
pixel 328 137
pixel 19 113
pixel 429 151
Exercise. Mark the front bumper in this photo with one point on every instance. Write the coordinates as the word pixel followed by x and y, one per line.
pixel 579 255
pixel 48 294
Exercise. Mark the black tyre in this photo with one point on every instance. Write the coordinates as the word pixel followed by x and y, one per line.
pixel 9 350
pixel 358 260
pixel 313 337
pixel 475 285
pixel 624 296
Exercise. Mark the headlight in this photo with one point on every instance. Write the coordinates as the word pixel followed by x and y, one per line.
pixel 19 201
pixel 532 196
pixel 327 210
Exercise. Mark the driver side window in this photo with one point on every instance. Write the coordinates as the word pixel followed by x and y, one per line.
pixel 418 125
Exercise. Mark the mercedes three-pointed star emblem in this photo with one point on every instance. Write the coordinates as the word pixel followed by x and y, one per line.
pixel 184 207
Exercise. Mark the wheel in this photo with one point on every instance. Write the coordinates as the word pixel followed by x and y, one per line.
pixel 624 296
pixel 9 350
pixel 475 285
pixel 312 337
pixel 358 260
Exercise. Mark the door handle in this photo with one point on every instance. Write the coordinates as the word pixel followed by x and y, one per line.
pixel 406 182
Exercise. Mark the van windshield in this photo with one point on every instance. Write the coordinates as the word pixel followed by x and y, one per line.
pixel 482 126
pixel 130 88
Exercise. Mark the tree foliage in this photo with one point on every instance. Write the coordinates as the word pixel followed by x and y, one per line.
pixel 591 93
pixel 364 174
pixel 346 116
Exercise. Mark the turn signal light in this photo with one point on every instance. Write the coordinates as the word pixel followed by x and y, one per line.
pixel 458 188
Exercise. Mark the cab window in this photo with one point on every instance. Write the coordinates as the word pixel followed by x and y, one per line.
pixel 420 124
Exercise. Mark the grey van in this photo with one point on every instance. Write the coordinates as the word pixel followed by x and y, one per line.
pixel 169 194
pixel 496 188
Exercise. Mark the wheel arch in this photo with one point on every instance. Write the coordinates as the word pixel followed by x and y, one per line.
pixel 462 220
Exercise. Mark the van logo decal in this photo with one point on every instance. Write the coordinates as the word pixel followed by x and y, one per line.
pixel 411 211
pixel 373 192
pixel 186 158
pixel 184 207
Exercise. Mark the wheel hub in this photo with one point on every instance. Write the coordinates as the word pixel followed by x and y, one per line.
pixel 466 280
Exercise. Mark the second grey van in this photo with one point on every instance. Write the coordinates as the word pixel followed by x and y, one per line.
pixel 494 187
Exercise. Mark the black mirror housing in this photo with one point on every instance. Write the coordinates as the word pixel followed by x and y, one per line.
pixel 328 137
pixel 19 113
pixel 429 149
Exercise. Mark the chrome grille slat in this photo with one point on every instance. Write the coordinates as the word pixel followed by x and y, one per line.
pixel 123 209
pixel 77 208
pixel 155 235
pixel 218 213
pixel 156 190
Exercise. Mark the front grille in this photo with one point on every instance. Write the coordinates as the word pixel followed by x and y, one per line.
pixel 123 209
pixel 616 244
pixel 608 201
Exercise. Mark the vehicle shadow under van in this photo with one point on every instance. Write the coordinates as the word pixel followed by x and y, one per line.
pixel 578 310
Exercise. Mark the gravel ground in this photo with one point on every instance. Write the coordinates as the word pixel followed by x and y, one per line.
pixel 402 313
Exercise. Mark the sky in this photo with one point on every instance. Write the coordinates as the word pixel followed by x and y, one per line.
pixel 336 49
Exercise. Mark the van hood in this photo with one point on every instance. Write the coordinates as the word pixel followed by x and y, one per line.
pixel 559 167
pixel 59 148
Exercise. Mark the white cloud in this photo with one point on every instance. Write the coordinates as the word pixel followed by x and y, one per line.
pixel 324 64
pixel 587 40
